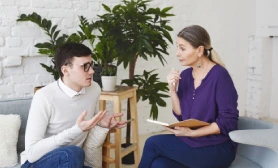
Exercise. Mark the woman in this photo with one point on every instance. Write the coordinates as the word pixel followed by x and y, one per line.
pixel 205 92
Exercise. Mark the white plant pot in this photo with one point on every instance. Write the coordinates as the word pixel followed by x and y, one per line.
pixel 108 83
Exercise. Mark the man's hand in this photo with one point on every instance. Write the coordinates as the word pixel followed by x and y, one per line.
pixel 109 121
pixel 85 125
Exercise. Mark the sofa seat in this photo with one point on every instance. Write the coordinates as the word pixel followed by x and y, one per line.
pixel 17 166
pixel 257 144
pixel 20 107
pixel 241 161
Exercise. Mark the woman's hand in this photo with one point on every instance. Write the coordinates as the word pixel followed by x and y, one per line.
pixel 173 80
pixel 182 131
pixel 211 129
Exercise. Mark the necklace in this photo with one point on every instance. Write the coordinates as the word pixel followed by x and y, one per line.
pixel 202 76
pixel 198 82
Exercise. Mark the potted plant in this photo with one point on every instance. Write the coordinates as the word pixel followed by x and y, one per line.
pixel 140 32
pixel 105 55
pixel 108 77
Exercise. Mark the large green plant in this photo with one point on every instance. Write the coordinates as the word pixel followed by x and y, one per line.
pixel 149 88
pixel 139 31
pixel 56 40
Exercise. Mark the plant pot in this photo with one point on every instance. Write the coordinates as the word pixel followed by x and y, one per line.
pixel 96 75
pixel 129 158
pixel 108 83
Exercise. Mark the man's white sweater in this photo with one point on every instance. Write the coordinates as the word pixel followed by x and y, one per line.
pixel 52 119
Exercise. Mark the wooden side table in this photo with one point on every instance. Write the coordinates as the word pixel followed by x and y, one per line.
pixel 121 93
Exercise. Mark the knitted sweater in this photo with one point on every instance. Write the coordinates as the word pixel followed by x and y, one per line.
pixel 52 120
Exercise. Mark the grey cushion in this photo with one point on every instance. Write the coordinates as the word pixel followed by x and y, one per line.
pixel 257 143
pixel 263 156
pixel 242 162
pixel 17 166
pixel 20 107
pixel 247 123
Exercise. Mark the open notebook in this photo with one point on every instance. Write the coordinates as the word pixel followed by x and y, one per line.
pixel 191 123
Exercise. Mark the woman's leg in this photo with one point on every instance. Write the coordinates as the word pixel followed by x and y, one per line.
pixel 165 145
pixel 163 162
pixel 64 157
pixel 173 148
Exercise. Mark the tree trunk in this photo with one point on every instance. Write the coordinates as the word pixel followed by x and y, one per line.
pixel 128 116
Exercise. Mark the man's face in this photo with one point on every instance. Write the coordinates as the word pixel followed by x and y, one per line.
pixel 75 75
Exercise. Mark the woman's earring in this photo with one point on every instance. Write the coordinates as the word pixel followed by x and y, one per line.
pixel 198 64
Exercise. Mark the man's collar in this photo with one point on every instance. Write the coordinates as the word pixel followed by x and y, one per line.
pixel 71 93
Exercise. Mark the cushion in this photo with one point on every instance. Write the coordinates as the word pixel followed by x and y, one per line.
pixel 93 146
pixel 21 107
pixel 9 128
pixel 241 161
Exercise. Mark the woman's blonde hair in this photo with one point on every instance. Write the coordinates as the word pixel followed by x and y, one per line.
pixel 198 36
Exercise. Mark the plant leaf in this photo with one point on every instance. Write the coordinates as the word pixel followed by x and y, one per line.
pixel 106 8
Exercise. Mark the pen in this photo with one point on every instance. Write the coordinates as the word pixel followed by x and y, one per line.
pixel 173 82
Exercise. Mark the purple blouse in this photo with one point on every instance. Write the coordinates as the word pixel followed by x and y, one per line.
pixel 215 100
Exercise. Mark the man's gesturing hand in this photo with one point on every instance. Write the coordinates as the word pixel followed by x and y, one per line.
pixel 109 121
pixel 85 125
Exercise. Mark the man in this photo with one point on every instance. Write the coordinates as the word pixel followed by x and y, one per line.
pixel 62 113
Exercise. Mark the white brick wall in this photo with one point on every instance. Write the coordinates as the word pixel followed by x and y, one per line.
pixel 5 31
pixel 0 68
pixel 229 32
pixel 13 41
pixel 274 75
pixel 6 89
pixel 1 41
pixel 7 2
pixel 262 78
pixel 12 61
pixel 37 3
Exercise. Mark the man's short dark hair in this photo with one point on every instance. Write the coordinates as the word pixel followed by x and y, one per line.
pixel 67 51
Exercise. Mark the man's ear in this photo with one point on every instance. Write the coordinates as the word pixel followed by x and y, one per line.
pixel 64 70
pixel 200 51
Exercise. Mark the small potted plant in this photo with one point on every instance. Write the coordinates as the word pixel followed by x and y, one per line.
pixel 108 77
pixel 105 55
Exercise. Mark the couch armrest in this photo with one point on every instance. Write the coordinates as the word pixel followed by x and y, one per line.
pixel 259 137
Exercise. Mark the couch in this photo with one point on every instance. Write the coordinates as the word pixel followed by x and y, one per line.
pixel 92 145
pixel 20 107
pixel 258 147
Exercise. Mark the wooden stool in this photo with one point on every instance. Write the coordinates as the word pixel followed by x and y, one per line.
pixel 121 93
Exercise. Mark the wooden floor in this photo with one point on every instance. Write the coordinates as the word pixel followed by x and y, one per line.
pixel 142 139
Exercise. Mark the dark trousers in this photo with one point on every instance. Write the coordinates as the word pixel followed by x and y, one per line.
pixel 64 157
pixel 169 151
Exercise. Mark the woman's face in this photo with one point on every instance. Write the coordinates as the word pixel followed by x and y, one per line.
pixel 187 54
